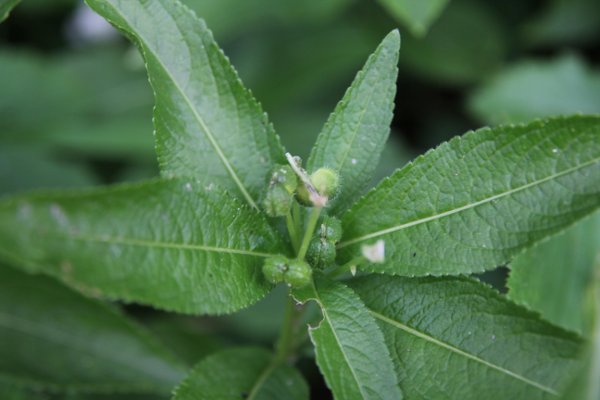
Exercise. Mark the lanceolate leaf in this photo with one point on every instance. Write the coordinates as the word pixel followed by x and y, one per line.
pixel 350 348
pixel 5 7
pixel 353 137
pixel 552 278
pixel 416 15
pixel 456 338
pixel 208 126
pixel 174 244
pixel 242 373
pixel 586 386
pixel 52 337
pixel 477 200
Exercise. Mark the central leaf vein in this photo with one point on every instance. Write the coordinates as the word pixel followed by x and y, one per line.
pixel 467 206
pixel 201 122
pixel 165 245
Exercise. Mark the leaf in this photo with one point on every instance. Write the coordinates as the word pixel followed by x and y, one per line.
pixel 476 201
pixel 268 14
pixel 456 338
pixel 533 89
pixel 354 136
pixel 452 54
pixel 5 7
pixel 56 339
pixel 174 244
pixel 26 167
pixel 552 277
pixel 555 25
pixel 186 336
pixel 242 373
pixel 416 15
pixel 349 347
pixel 208 126
pixel 586 385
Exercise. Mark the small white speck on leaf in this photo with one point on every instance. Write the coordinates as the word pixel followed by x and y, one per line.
pixel 188 186
pixel 353 161
pixel 555 151
pixel 374 253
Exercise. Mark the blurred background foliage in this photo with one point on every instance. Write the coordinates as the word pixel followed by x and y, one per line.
pixel 76 106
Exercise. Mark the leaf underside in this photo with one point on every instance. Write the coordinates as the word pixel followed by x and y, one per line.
pixel 174 244
pixel 208 126
pixel 477 200
pixel 457 338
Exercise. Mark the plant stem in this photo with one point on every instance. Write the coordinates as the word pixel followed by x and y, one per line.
pixel 292 230
pixel 308 232
pixel 285 342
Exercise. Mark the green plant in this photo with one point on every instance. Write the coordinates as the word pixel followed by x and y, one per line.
pixel 224 223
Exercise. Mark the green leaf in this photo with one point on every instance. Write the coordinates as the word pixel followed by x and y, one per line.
pixel 5 7
pixel 174 244
pixel 534 89
pixel 350 348
pixel 242 373
pixel 564 22
pixel 463 47
pixel 552 277
pixel 26 167
pixel 354 136
pixel 268 14
pixel 455 338
pixel 476 201
pixel 208 126
pixel 186 336
pixel 416 15
pixel 586 385
pixel 55 338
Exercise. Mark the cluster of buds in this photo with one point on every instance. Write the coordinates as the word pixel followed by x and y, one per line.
pixel 295 273
pixel 321 251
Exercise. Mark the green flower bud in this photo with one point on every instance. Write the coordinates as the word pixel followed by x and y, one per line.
pixel 298 274
pixel 278 201
pixel 284 175
pixel 302 195
pixel 321 253
pixel 275 268
pixel 326 181
pixel 331 229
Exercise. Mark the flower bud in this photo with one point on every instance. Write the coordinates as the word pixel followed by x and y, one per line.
pixel 278 201
pixel 331 229
pixel 326 181
pixel 274 268
pixel 298 274
pixel 284 175
pixel 321 253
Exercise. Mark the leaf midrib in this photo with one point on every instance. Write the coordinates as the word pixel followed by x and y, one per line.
pixel 465 207
pixel 166 245
pixel 460 352
pixel 200 120
pixel 260 381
